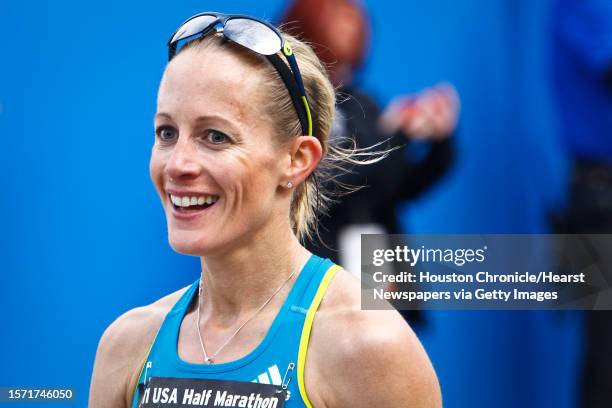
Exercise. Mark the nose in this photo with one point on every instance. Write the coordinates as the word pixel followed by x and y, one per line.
pixel 183 162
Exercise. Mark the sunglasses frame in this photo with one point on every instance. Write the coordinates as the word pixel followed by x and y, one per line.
pixel 290 76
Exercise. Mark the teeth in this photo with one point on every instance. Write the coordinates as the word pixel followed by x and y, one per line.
pixel 189 201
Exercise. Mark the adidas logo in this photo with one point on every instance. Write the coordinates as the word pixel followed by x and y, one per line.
pixel 272 376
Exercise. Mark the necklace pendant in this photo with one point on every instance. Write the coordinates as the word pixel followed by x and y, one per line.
pixel 208 360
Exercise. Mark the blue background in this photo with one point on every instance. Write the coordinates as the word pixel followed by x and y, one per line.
pixel 84 236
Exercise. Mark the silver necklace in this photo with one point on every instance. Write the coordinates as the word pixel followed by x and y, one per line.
pixel 208 359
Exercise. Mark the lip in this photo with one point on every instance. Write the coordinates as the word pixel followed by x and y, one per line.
pixel 185 193
pixel 186 216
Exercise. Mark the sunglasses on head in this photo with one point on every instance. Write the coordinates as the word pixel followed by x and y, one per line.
pixel 258 36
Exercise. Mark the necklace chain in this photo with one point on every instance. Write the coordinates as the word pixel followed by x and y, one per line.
pixel 208 359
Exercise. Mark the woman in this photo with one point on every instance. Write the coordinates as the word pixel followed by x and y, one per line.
pixel 235 167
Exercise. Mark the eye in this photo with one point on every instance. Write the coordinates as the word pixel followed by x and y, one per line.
pixel 216 137
pixel 166 133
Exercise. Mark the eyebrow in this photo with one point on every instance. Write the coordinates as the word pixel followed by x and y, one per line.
pixel 164 115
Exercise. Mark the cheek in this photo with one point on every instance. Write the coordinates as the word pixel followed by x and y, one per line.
pixel 156 169
pixel 255 179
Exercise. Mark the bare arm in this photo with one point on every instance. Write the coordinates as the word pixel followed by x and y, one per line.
pixel 368 358
pixel 122 351
pixel 387 368
pixel 115 364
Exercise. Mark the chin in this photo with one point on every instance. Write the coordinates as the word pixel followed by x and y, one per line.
pixel 189 246
pixel 186 249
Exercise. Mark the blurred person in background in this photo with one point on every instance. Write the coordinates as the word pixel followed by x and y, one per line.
pixel 339 31
pixel 582 64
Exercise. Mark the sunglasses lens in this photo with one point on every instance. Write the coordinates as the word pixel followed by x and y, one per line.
pixel 192 27
pixel 253 35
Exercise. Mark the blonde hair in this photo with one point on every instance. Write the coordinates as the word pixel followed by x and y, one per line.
pixel 310 199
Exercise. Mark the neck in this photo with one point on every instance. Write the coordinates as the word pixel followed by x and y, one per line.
pixel 241 280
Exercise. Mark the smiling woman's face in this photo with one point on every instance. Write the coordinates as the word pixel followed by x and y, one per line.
pixel 215 162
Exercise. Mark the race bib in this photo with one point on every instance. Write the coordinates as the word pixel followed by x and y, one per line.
pixel 162 392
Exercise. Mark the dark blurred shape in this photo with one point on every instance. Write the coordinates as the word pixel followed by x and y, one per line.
pixel 339 31
pixel 582 64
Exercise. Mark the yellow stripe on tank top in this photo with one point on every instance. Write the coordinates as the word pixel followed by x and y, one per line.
pixel 329 275
pixel 142 368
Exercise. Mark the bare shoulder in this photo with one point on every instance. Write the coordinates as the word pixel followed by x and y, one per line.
pixel 122 350
pixel 364 358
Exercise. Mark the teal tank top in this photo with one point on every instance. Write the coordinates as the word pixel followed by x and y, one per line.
pixel 278 360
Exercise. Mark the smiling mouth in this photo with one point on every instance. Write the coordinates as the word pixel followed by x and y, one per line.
pixel 192 203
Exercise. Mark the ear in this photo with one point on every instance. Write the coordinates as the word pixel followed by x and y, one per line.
pixel 305 152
